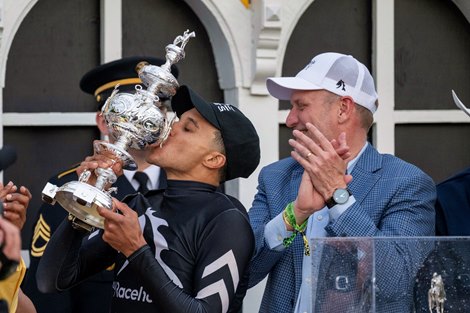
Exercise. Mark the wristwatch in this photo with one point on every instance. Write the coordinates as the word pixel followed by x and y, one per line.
pixel 340 196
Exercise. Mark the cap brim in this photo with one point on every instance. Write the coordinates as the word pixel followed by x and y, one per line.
pixel 282 87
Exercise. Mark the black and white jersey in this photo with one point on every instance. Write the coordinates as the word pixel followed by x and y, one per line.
pixel 199 244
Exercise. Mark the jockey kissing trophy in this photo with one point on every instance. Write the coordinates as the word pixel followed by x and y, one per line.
pixel 135 121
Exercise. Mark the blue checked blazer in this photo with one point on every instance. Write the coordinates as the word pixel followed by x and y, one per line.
pixel 393 198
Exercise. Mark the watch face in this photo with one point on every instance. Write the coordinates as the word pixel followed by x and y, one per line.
pixel 341 196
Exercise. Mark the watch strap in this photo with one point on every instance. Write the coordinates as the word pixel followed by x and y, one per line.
pixel 330 202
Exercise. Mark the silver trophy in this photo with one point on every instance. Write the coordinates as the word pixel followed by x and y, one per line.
pixel 135 121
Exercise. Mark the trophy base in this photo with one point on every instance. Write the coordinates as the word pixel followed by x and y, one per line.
pixel 82 200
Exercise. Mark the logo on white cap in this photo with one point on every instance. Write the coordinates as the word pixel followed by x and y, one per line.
pixel 338 73
pixel 341 84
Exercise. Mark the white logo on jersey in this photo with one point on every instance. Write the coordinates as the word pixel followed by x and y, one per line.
pixel 219 286
pixel 131 294
pixel 160 244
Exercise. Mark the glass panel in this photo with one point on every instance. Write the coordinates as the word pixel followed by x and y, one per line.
pixel 444 277
pixel 400 274
pixel 342 280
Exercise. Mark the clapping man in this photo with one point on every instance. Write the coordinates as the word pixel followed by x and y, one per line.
pixel 316 193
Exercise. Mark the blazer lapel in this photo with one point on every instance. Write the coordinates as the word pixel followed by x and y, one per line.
pixel 365 173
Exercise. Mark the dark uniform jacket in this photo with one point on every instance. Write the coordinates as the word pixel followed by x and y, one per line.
pixel 94 294
pixel 453 206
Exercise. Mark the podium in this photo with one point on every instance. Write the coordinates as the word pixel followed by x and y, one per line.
pixel 390 274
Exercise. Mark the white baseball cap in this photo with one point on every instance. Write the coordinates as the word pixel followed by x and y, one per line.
pixel 338 73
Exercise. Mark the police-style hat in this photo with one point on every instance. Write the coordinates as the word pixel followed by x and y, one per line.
pixel 101 80
pixel 241 141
